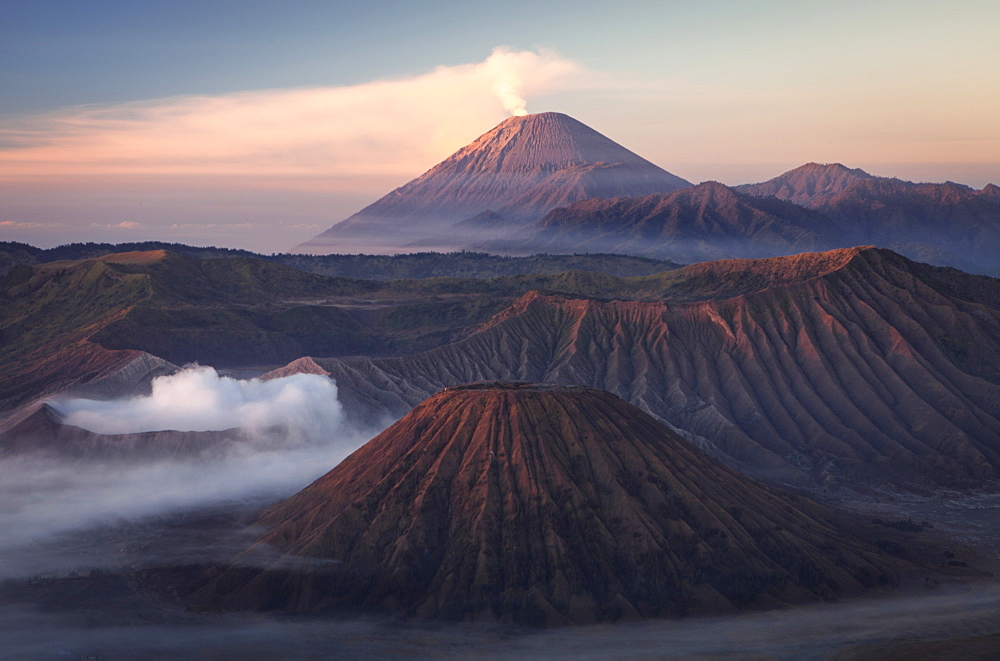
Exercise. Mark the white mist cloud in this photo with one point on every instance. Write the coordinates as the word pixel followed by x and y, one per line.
pixel 384 127
pixel 45 496
pixel 198 399
pixel 295 432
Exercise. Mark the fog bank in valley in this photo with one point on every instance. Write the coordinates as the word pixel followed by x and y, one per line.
pixel 63 517
pixel 198 399
pixel 292 431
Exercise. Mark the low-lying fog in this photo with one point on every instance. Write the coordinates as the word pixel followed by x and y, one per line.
pixel 62 518
pixel 294 431
pixel 810 632
pixel 198 399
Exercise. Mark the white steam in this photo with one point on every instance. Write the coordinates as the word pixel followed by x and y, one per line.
pixel 512 103
pixel 198 399
pixel 294 431
pixel 516 74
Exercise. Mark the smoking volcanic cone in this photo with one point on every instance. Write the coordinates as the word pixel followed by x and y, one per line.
pixel 541 504
pixel 512 174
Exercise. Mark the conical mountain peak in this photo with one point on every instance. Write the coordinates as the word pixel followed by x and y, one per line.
pixel 520 169
pixel 549 141
pixel 809 184
pixel 543 503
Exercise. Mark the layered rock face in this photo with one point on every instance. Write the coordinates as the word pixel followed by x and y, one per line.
pixel 513 174
pixel 541 504
pixel 855 366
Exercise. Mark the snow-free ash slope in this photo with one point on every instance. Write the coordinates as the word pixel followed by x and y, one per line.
pixel 700 223
pixel 542 504
pixel 519 170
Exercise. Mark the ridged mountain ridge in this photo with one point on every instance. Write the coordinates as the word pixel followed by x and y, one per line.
pixel 519 170
pixel 542 504
pixel 704 222
pixel 850 367
pixel 810 182
pixel 941 223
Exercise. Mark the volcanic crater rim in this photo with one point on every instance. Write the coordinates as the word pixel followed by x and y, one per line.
pixel 518 386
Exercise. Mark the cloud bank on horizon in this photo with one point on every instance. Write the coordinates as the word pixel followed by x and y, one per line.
pixel 383 127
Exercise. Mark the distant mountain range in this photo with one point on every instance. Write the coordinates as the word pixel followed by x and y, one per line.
pixel 577 438
pixel 948 224
pixel 696 224
pixel 547 183
pixel 814 207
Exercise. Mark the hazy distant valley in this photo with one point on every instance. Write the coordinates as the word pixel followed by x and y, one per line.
pixel 797 432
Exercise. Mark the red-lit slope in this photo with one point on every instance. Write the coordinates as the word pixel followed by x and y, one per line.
pixel 849 366
pixel 542 504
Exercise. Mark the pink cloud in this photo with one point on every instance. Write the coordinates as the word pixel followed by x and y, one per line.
pixel 381 128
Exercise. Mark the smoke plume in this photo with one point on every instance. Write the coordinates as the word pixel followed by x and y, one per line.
pixel 516 74
pixel 389 128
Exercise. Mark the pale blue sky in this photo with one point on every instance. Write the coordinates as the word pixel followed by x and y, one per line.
pixel 734 91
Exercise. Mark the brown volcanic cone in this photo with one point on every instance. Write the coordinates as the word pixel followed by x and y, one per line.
pixel 543 504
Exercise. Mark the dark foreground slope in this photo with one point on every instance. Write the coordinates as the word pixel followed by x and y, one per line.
pixel 849 366
pixel 541 504
pixel 463 264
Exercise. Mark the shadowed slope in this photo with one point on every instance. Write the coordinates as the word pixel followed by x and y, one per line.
pixel 543 504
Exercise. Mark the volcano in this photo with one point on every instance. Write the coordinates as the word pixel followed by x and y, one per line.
pixel 848 366
pixel 511 175
pixel 541 504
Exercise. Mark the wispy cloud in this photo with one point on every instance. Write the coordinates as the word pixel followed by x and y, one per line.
pixel 384 127
pixel 124 225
